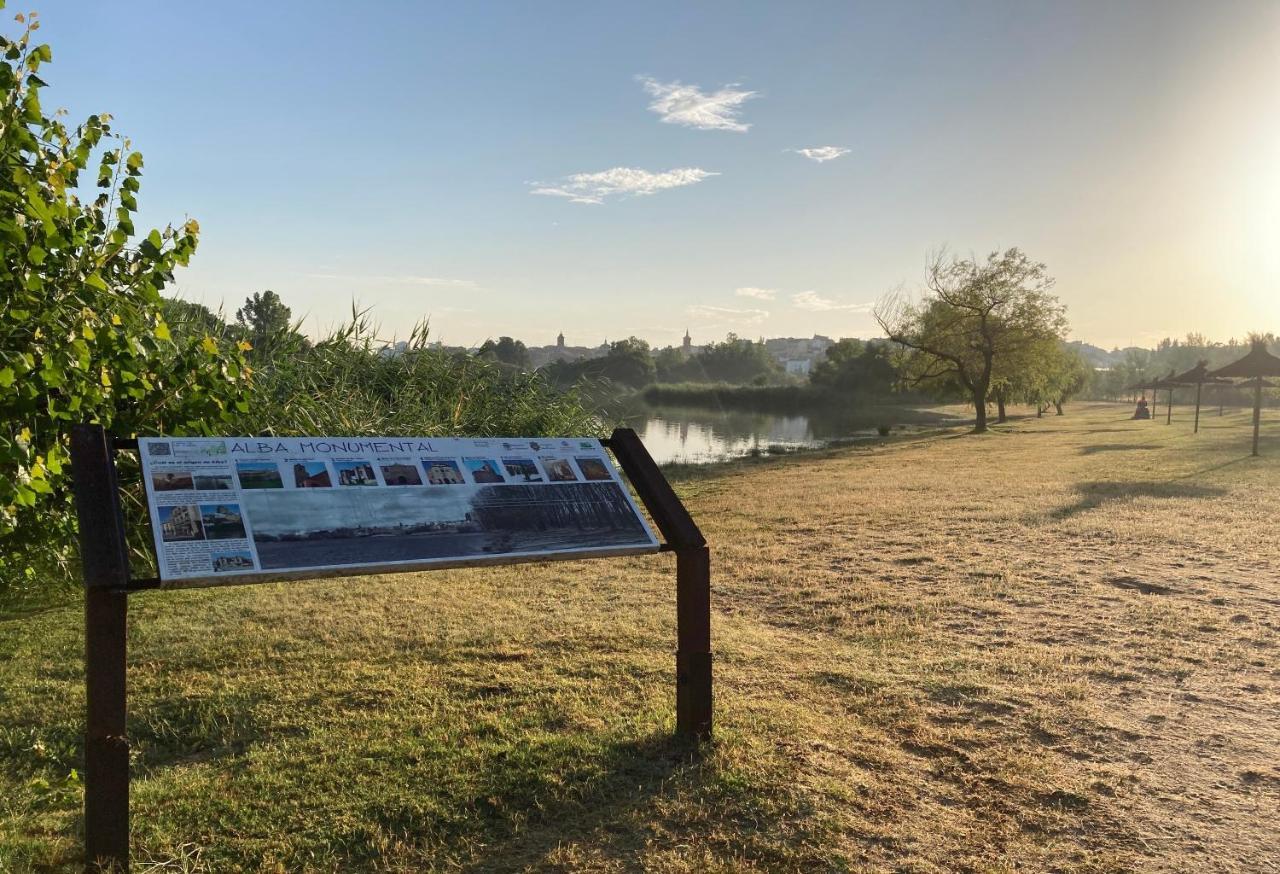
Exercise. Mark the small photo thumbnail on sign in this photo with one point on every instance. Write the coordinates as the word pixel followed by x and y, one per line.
pixel 559 470
pixel 355 473
pixel 172 481
pixel 222 521
pixel 485 470
pixel 213 482
pixel 397 474
pixel 593 468
pixel 443 472
pixel 180 523
pixel 259 475
pixel 311 475
pixel 522 470
pixel 232 560
pixel 157 449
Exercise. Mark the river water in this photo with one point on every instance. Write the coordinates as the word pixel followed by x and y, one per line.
pixel 695 435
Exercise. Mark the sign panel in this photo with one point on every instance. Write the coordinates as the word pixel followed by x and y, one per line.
pixel 227 510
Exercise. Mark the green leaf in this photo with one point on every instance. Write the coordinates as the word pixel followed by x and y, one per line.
pixel 6 377
pixel 93 280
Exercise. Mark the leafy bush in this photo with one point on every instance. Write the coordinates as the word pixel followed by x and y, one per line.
pixel 82 337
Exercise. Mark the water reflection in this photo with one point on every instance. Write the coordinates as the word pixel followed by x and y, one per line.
pixel 694 435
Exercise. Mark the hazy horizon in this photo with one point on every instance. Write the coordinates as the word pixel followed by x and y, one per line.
pixel 615 170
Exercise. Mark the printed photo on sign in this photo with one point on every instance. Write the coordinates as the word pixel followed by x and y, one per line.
pixel 259 475
pixel 232 560
pixel 559 470
pixel 401 475
pixel 484 470
pixel 180 523
pixel 172 480
pixel 593 468
pixel 350 526
pixel 443 472
pixel 311 475
pixel 355 473
pixel 214 482
pixel 222 521
pixel 522 470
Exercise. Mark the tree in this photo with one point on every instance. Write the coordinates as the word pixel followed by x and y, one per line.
pixel 628 362
pixel 82 333
pixel 266 322
pixel 190 318
pixel 737 360
pixel 973 317
pixel 512 353
pixel 856 367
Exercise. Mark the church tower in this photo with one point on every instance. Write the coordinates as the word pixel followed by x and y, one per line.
pixel 687 345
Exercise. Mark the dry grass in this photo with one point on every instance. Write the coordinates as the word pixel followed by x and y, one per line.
pixel 1050 648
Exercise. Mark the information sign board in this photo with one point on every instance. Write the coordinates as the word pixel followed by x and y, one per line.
pixel 228 510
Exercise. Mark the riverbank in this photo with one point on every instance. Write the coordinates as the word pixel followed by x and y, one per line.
pixel 1052 647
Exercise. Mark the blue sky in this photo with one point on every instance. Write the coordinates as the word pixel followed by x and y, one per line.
pixel 392 154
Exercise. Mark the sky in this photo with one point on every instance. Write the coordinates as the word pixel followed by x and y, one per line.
pixel 614 169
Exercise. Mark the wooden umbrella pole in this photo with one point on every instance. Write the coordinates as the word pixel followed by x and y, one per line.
pixel 1257 413
pixel 1199 386
pixel 1168 407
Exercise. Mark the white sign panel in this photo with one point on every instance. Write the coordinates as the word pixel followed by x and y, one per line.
pixel 244 509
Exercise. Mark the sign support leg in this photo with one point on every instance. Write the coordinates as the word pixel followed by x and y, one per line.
pixel 106 745
pixel 104 554
pixel 693 642
pixel 693 582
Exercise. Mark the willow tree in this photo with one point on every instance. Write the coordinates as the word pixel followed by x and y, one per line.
pixel 974 318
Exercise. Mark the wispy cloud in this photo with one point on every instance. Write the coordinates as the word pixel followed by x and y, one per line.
pixel 690 106
pixel 396 280
pixel 814 302
pixel 728 314
pixel 619 182
pixel 821 153
pixel 757 293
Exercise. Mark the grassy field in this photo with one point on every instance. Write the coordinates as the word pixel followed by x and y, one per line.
pixel 1049 648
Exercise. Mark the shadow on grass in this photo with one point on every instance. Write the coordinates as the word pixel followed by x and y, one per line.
pixel 1099 493
pixel 1115 447
pixel 602 801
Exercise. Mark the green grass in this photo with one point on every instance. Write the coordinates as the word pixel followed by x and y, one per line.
pixel 1053 647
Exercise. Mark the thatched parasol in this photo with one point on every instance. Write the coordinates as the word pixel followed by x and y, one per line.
pixel 1259 363
pixel 1156 385
pixel 1199 377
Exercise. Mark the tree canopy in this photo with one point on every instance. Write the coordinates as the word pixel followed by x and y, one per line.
pixel 974 318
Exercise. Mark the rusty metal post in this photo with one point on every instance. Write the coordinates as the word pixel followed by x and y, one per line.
pixel 105 558
pixel 693 583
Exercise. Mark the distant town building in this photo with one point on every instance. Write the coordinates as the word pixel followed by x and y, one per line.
pixel 541 356
pixel 687 344
pixel 798 355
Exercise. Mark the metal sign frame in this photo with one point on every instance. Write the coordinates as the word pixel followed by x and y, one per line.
pixel 108 584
